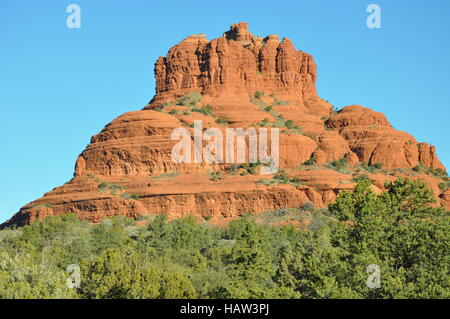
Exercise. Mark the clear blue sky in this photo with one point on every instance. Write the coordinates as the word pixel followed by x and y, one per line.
pixel 60 86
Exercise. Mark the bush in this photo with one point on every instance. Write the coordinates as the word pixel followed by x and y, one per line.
pixel 308 206
pixel 191 99
pixel 205 110
pixel 281 178
pixel 129 196
pixel 361 177
pixel 311 161
pixel 259 94
pixel 112 188
pixel 290 124
pixel 438 172
pixel 279 102
pixel 222 121
pixel 215 176
pixel 280 212
pixel 259 102
pixel 367 167
pixel 267 182
pixel 263 123
pixel 233 169
pixel 245 168
pixel 339 164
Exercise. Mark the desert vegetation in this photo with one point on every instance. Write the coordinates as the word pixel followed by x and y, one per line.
pixel 286 253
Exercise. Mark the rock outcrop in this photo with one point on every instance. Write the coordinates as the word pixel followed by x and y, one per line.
pixel 374 140
pixel 230 68
pixel 238 80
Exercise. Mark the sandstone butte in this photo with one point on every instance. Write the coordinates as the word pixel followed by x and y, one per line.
pixel 238 80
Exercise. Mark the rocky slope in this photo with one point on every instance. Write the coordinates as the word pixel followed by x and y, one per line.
pixel 237 80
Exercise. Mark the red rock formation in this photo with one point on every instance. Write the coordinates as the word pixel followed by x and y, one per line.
pixel 127 167
pixel 374 140
pixel 235 66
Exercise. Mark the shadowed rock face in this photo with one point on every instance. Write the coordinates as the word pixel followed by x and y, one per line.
pixel 127 168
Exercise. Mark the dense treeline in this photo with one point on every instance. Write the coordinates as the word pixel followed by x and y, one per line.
pixel 398 231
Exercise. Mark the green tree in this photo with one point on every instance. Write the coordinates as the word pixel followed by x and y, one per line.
pixel 120 273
